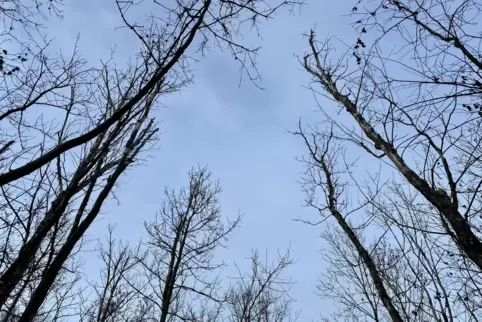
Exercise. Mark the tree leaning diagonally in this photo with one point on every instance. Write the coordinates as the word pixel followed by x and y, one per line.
pixel 55 176
pixel 413 107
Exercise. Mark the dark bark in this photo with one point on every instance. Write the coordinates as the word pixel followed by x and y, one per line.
pixel 319 160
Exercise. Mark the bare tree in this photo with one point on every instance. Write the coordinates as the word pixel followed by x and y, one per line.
pixel 164 45
pixel 414 107
pixel 409 271
pixel 174 275
pixel 440 122
pixel 180 272
pixel 69 132
pixel 324 176
pixel 114 299
pixel 262 295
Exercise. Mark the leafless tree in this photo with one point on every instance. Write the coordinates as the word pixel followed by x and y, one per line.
pixel 323 176
pixel 113 299
pixel 68 133
pixel 410 105
pixel 174 276
pixel 262 295
pixel 409 271
pixel 180 272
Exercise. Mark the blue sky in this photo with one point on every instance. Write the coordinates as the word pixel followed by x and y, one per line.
pixel 241 133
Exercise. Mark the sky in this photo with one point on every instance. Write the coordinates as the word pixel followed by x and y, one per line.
pixel 240 132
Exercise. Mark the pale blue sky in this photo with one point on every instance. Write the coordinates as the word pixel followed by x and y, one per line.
pixel 241 133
